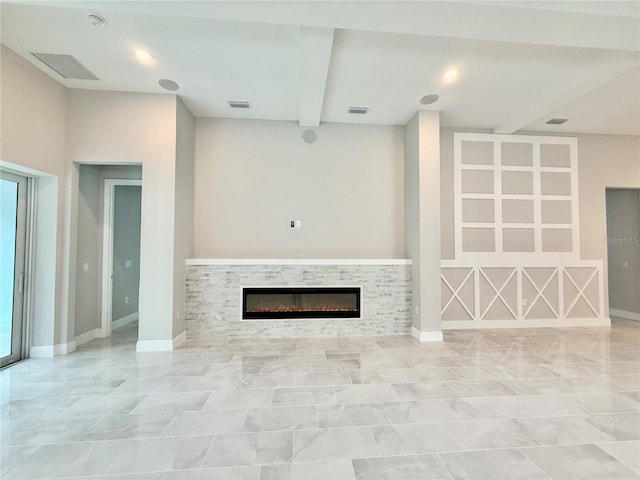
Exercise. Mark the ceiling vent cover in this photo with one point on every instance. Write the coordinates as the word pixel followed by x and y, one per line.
pixel 557 121
pixel 66 66
pixel 238 104
pixel 359 110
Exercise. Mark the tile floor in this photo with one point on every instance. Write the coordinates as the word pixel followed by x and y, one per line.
pixel 498 404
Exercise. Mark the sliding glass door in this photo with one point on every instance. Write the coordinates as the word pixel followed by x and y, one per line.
pixel 13 214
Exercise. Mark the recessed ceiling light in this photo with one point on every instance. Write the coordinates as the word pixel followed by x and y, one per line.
pixel 429 99
pixel 168 84
pixel 359 110
pixel 239 104
pixel 451 74
pixel 96 20
pixel 143 55
pixel 557 121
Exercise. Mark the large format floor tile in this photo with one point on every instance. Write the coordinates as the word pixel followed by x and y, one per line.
pixel 533 404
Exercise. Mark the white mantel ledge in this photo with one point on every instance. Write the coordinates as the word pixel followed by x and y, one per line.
pixel 298 261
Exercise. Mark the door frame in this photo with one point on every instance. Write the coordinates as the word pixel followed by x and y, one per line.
pixel 21 338
pixel 107 250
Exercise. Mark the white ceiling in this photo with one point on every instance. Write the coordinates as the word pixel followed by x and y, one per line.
pixel 521 63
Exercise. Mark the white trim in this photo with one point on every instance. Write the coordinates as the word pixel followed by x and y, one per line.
pixel 161 345
pixel 124 320
pixel 548 323
pixel 560 314
pixel 297 261
pixel 154 345
pixel 65 348
pixel 180 339
pixel 52 350
pixel 521 263
pixel 107 251
pixel 426 336
pixel 614 312
pixel 537 226
pixel 29 266
pixel 41 351
pixel 87 336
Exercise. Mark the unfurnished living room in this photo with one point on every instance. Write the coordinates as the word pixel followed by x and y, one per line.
pixel 330 240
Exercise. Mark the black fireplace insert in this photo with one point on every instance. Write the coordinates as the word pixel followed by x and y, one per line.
pixel 269 303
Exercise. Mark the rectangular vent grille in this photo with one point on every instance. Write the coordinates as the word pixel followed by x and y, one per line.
pixel 65 65
pixel 359 110
pixel 238 104
pixel 557 121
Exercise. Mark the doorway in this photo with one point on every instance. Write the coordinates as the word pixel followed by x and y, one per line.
pixel 13 228
pixel 623 252
pixel 121 253
pixel 95 267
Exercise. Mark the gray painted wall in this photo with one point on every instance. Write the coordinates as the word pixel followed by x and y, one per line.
pixel 89 240
pixel 183 231
pixel 623 245
pixel 126 251
pixel 33 124
pixel 89 244
pixel 253 177
pixel 111 128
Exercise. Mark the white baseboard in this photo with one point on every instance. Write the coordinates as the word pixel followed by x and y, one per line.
pixel 179 340
pixel 124 320
pixel 52 350
pixel 541 323
pixel 65 348
pixel 426 336
pixel 87 336
pixel 614 312
pixel 41 351
pixel 160 345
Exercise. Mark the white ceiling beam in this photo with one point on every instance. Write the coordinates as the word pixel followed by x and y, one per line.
pixel 601 77
pixel 314 56
pixel 450 19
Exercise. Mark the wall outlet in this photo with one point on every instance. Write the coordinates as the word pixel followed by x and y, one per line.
pixel 178 314
pixel 85 267
pixel 298 223
pixel 625 264
pixel 128 264
pixel 126 299
pixel 524 302
pixel 416 309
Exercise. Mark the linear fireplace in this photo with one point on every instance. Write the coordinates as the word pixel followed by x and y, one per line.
pixel 265 303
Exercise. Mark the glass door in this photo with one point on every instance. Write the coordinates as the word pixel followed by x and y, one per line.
pixel 13 211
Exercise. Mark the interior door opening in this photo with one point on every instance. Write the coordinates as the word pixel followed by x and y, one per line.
pixel 122 289
pixel 623 252
pixel 108 250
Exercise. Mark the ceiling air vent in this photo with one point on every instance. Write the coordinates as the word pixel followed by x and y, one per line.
pixel 66 66
pixel 557 121
pixel 359 110
pixel 238 104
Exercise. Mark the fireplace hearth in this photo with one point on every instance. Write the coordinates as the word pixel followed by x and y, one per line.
pixel 271 303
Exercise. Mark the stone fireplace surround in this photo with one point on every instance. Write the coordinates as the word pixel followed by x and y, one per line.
pixel 214 296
